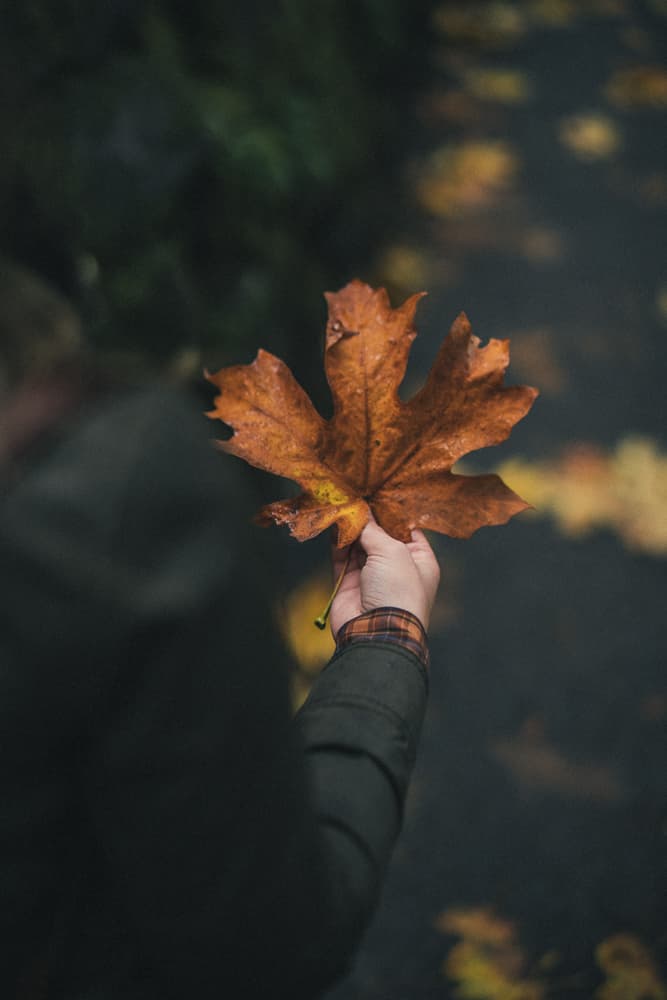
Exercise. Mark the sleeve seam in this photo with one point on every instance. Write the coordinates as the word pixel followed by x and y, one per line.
pixel 382 644
pixel 361 701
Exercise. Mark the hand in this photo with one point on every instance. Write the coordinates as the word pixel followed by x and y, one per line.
pixel 384 572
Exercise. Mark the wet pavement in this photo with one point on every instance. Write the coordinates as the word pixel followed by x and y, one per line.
pixel 538 804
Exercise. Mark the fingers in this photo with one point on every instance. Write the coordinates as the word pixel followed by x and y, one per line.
pixel 421 549
pixel 426 561
pixel 375 540
pixel 399 562
pixel 388 572
pixel 419 538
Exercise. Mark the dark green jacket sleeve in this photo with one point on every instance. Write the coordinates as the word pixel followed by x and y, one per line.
pixel 359 729
pixel 165 828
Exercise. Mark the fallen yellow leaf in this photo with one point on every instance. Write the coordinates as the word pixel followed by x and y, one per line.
pixel 631 973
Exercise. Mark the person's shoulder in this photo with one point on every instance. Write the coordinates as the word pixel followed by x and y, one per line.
pixel 153 426
pixel 141 449
pixel 157 438
pixel 145 414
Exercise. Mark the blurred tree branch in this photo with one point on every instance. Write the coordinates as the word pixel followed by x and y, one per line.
pixel 175 171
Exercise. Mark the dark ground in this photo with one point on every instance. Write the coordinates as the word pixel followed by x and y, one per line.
pixel 540 787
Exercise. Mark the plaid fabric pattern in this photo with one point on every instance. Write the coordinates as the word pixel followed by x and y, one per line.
pixel 387 625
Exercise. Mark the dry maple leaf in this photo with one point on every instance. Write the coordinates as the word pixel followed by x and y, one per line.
pixel 377 453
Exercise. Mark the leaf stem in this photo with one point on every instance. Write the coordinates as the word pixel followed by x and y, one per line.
pixel 321 621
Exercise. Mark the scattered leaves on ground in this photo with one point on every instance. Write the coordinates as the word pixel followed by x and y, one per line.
pixel 377 453
pixel 534 357
pixel 497 24
pixel 488 963
pixel 630 970
pixel 590 135
pixel 405 267
pixel 537 765
pixel 554 13
pixel 541 244
pixel 503 85
pixel 586 488
pixel 636 38
pixel 463 178
pixel 311 648
pixel 486 24
pixel 563 13
pixel 639 87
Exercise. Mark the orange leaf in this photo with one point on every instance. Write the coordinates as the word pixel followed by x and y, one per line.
pixel 377 453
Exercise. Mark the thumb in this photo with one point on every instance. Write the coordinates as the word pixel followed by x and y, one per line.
pixel 390 576
pixel 375 541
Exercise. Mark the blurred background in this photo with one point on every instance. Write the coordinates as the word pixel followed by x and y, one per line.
pixel 181 183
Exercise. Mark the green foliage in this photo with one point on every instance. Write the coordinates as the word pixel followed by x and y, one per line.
pixel 196 174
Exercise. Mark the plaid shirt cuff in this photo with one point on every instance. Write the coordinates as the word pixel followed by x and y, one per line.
pixel 386 625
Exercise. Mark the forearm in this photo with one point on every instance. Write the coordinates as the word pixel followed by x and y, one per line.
pixel 359 729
